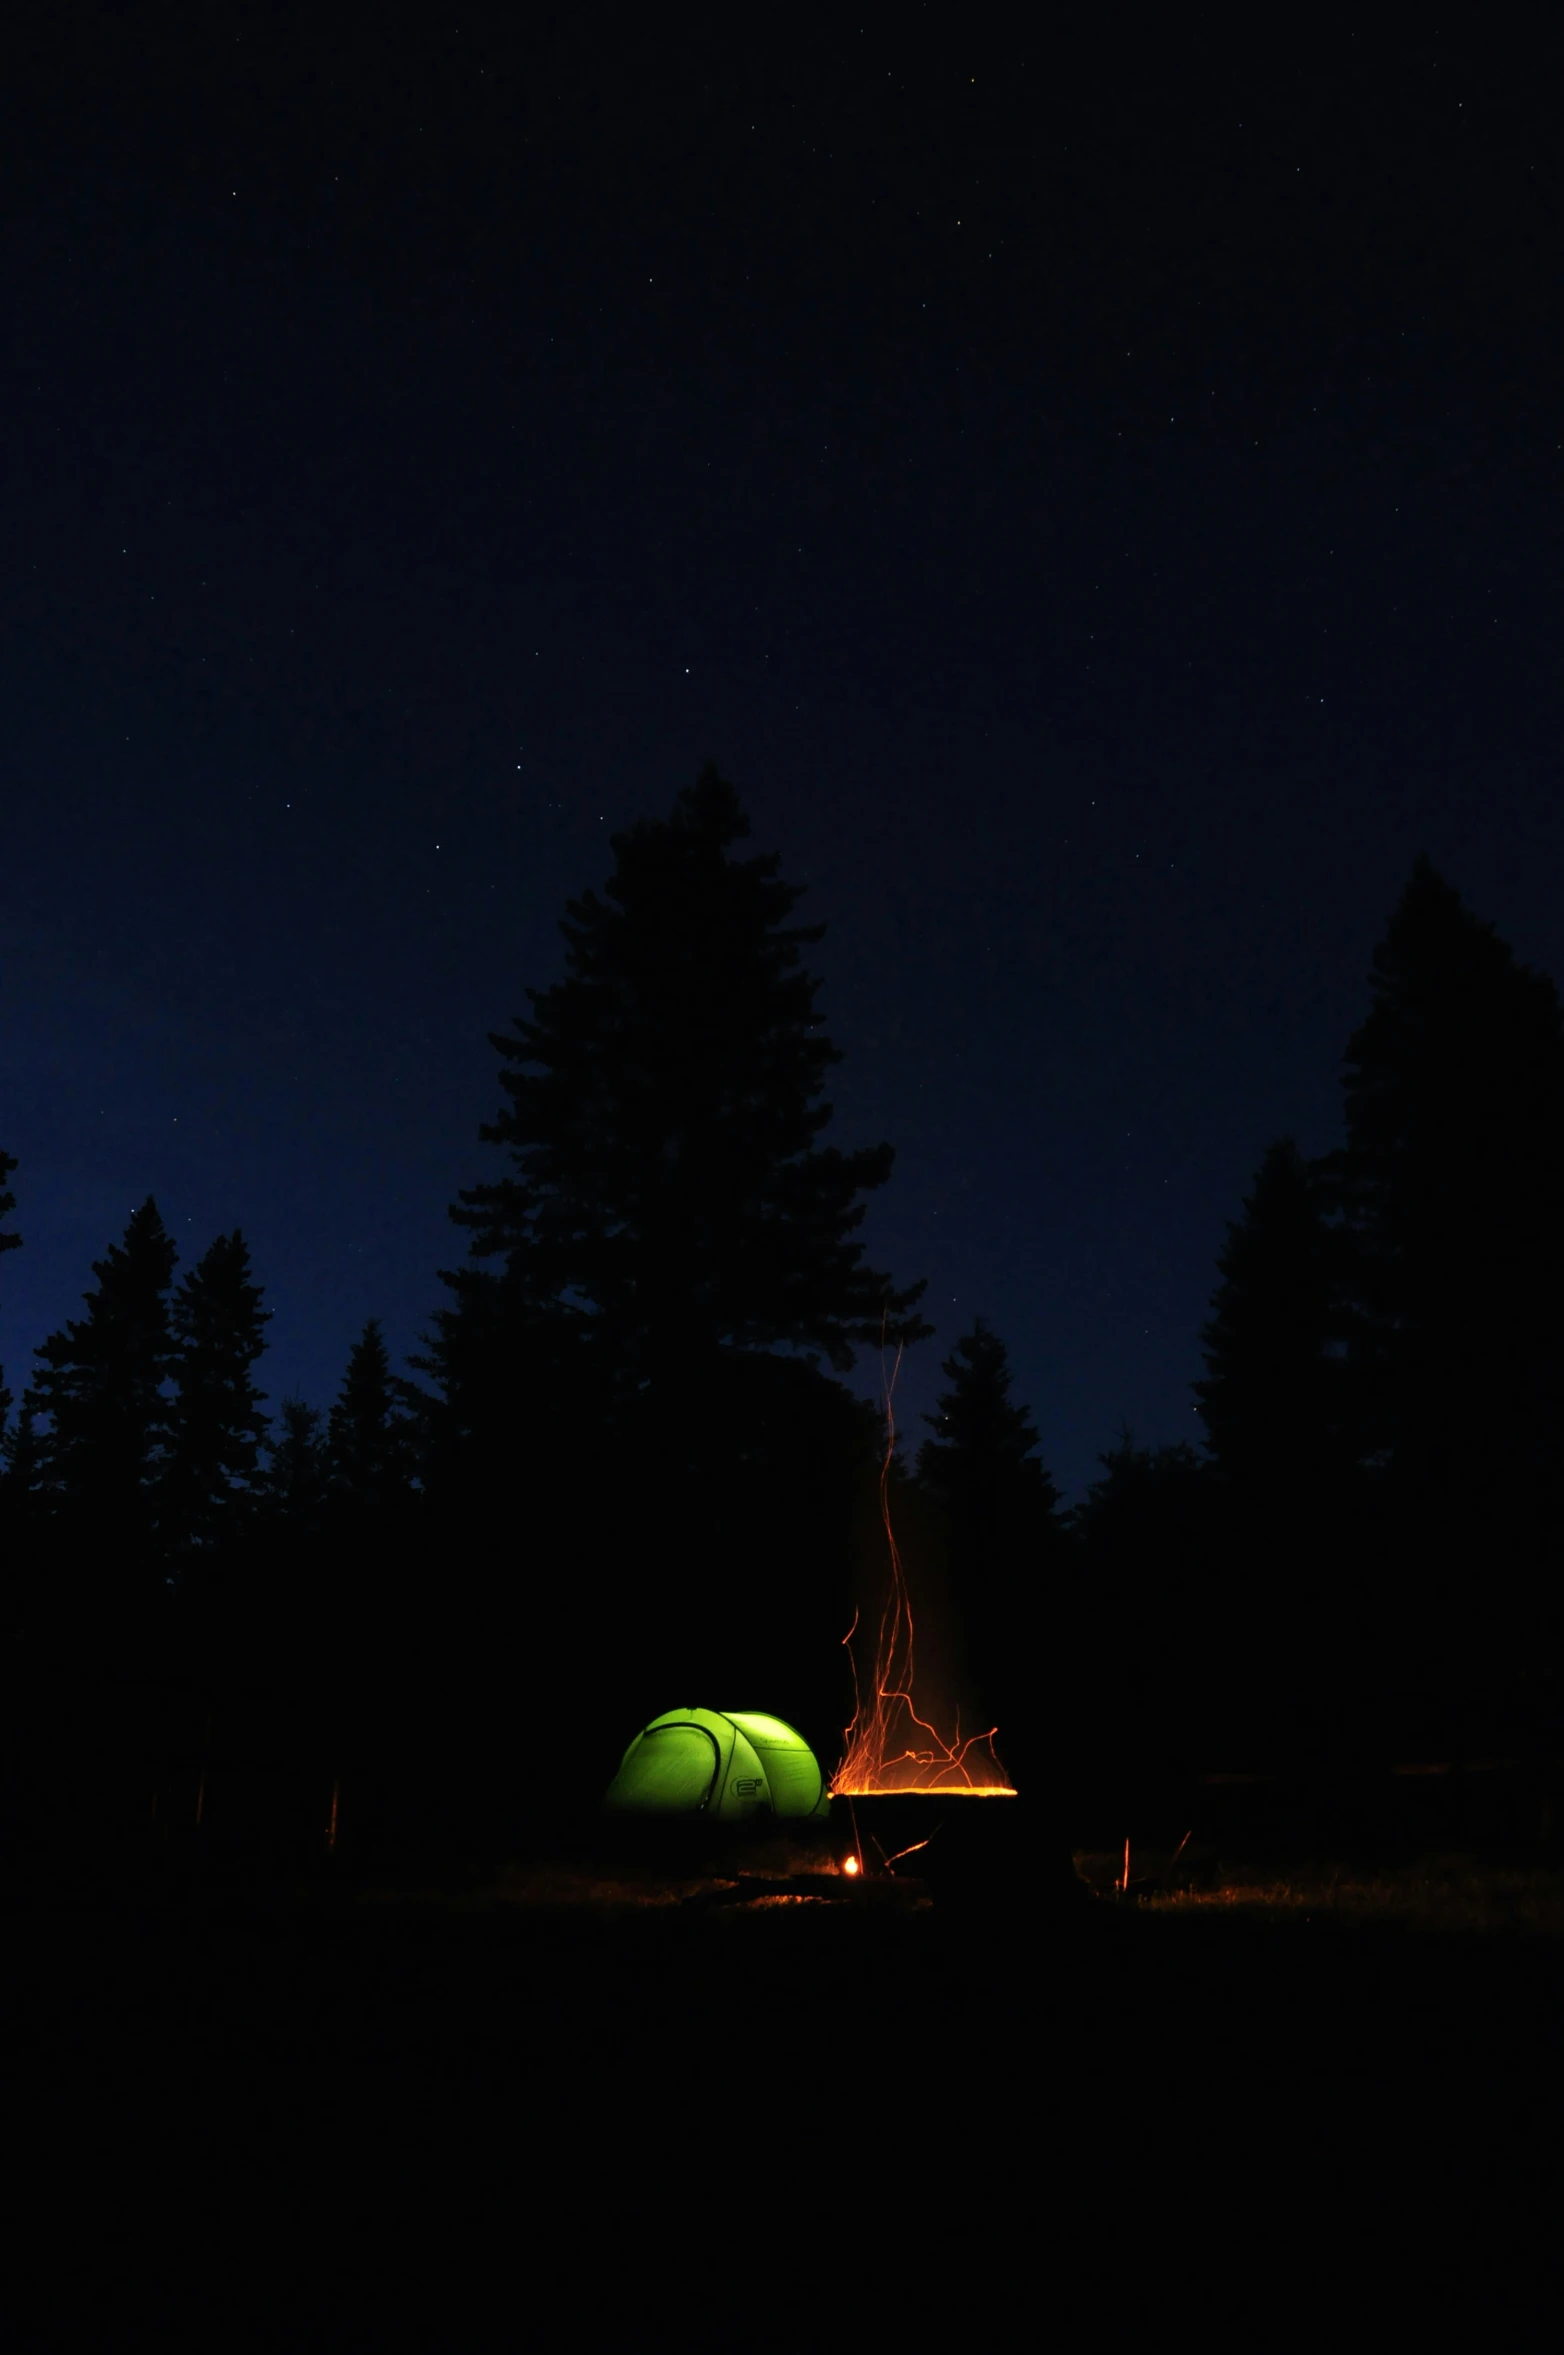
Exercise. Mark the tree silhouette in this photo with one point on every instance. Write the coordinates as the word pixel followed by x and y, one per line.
pixel 211 1477
pixel 629 1359
pixel 369 1447
pixel 102 1387
pixel 1151 1639
pixel 667 1194
pixel 984 1454
pixel 9 1241
pixel 357 1592
pixel 1281 1583
pixel 1145 1495
pixel 19 1474
pixel 1003 1536
pixel 1450 1185
pixel 298 1471
pixel 1274 1398
pixel 22 1493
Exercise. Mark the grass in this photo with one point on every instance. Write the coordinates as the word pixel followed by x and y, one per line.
pixel 1453 1893
pixel 624 1876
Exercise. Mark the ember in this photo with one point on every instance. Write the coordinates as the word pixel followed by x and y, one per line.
pixel 888 1746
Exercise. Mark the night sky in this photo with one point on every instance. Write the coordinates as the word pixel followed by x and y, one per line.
pixel 1099 502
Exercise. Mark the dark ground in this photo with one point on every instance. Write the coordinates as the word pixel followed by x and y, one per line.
pixel 543 2112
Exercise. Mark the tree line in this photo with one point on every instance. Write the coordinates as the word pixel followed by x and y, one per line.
pixel 1368 1546
pixel 625 1468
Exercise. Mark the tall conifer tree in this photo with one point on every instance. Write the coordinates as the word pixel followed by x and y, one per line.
pixel 210 1481
pixel 102 1387
pixel 1151 1627
pixel 298 1472
pixel 984 1472
pixel 983 1462
pixel 633 1347
pixel 1451 1183
pixel 1275 1397
pixel 369 1441
pixel 1449 1186
pixel 668 1194
pixel 9 1241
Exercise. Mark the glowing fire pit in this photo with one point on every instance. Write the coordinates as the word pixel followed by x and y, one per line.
pixel 961 1851
pixel 903 1786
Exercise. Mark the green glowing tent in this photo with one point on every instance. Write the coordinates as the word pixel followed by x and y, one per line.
pixel 724 1764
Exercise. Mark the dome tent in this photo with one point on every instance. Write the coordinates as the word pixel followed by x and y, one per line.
pixel 727 1765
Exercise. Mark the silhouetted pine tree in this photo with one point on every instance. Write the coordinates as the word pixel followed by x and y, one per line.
pixel 298 1472
pixel 668 1195
pixel 25 1452
pixel 1283 1441
pixel 1146 1496
pixel 23 1507
pixel 369 1448
pixel 1273 1399
pixel 14 1569
pixel 1152 1648
pixel 1450 1186
pixel 211 1479
pixel 983 1463
pixel 102 1388
pixel 377 1586
pixel 8 1242
pixel 1003 1536
pixel 669 1218
pixel 290 1622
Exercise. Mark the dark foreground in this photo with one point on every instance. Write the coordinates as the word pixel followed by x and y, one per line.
pixel 535 2114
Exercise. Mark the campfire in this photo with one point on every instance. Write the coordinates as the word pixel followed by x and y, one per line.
pixel 892 1752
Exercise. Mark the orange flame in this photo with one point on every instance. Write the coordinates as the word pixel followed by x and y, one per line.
pixel 887 1745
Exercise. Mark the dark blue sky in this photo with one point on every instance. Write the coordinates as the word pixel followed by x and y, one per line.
pixel 1101 508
